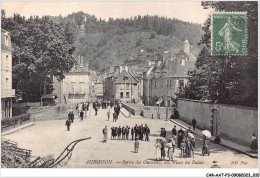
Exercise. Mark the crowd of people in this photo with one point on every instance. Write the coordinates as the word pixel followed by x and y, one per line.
pixel 137 132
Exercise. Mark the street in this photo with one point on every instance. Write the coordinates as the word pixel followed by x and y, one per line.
pixel 51 137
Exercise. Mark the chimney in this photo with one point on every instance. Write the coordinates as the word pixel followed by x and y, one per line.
pixel 183 62
pixel 121 68
pixel 117 69
pixel 126 68
pixel 158 64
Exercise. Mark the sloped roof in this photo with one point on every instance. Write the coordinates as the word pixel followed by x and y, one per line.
pixel 176 69
pixel 78 69
pixel 120 78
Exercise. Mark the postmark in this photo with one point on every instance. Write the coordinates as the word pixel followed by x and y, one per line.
pixel 229 33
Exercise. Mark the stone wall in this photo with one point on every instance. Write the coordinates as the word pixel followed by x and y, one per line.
pixel 235 123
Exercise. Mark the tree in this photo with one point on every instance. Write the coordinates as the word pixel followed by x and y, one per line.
pixel 41 49
pixel 227 79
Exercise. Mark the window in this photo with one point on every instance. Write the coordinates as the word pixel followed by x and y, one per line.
pixel 127 94
pixel 190 72
pixel 6 79
pixel 6 57
pixel 169 83
pixel 127 86
pixel 121 95
pixel 73 86
pixel 155 83
pixel 6 40
pixel 125 78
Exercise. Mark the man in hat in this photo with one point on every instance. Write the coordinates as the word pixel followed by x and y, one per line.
pixel 119 133
pixel 132 133
pixel 141 132
pixel 194 122
pixel 114 117
pixel 147 133
pixel 81 114
pixel 180 136
pixel 136 131
pixel 174 131
pixel 189 131
pixel 127 132
pixel 123 133
pixel 68 124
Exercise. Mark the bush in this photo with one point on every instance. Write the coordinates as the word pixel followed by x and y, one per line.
pixel 13 120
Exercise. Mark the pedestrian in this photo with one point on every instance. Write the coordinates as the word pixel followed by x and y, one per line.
pixel 96 110
pixel 189 131
pixel 141 132
pixel 115 133
pixel 205 149
pixel 147 133
pixel 180 136
pixel 108 114
pixel 136 145
pixel 123 133
pixel 164 133
pixel 127 132
pixel 170 149
pixel 194 122
pixel 253 144
pixel 68 124
pixel 163 151
pixel 114 117
pixel 161 134
pixel 132 133
pixel 105 134
pixel 69 115
pixel 136 131
pixel 112 133
pixel 174 131
pixel 182 147
pixel 65 99
pixel 157 154
pixel 119 133
pixel 81 114
pixel 72 116
pixel 188 147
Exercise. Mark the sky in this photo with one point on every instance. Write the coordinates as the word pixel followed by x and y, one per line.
pixel 186 11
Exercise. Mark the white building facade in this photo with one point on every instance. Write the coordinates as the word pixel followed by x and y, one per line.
pixel 7 92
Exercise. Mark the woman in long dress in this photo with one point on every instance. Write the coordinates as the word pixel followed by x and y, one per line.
pixel 105 134
pixel 254 144
pixel 157 154
pixel 163 151
pixel 170 149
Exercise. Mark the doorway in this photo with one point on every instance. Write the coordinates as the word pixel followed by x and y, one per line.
pixel 216 122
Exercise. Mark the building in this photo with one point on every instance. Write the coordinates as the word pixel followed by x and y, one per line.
pixel 120 84
pixel 7 92
pixel 74 88
pixel 166 75
pixel 97 85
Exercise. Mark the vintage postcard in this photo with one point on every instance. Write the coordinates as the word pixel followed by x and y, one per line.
pixel 129 84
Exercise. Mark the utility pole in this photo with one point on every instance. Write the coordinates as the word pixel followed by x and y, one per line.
pixel 131 91
pixel 168 82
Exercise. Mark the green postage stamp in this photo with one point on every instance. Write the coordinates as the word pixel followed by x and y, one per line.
pixel 229 33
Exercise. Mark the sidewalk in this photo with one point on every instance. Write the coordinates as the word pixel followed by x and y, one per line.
pixel 18 128
pixel 226 143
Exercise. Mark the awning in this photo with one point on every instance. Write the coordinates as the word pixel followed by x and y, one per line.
pixel 159 101
pixel 49 96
